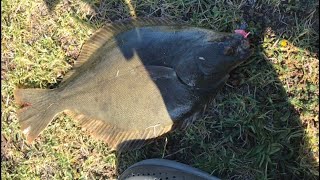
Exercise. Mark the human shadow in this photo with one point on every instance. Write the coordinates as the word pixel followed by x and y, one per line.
pixel 282 127
pixel 270 132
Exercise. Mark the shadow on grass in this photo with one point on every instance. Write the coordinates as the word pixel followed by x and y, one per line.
pixel 250 130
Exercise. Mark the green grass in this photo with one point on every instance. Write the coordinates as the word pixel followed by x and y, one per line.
pixel 262 125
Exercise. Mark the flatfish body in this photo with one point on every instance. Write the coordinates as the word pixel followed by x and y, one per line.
pixel 136 80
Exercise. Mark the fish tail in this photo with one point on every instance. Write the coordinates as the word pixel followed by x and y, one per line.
pixel 38 108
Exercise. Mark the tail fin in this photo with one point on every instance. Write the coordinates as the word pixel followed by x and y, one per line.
pixel 38 109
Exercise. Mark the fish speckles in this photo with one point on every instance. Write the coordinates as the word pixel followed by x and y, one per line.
pixel 202 58
pixel 27 130
pixel 154 129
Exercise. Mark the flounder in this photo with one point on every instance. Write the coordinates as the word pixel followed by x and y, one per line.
pixel 136 80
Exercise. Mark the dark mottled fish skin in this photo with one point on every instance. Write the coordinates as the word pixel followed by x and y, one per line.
pixel 138 82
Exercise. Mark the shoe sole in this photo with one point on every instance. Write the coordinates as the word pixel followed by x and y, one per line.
pixel 162 169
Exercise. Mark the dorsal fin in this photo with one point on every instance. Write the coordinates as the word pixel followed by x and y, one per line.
pixel 107 33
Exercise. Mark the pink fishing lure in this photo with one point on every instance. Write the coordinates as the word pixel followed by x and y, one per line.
pixel 242 32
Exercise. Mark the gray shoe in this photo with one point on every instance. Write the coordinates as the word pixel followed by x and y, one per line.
pixel 161 169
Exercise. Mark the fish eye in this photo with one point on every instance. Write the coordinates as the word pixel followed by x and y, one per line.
pixel 229 51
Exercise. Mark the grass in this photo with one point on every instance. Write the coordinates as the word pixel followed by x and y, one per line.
pixel 262 125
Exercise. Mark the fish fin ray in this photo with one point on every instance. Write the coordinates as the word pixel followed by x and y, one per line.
pixel 38 110
pixel 106 34
pixel 119 139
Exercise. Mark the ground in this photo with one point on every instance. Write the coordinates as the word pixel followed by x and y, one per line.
pixel 262 125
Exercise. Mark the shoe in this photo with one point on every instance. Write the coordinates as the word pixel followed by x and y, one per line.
pixel 162 169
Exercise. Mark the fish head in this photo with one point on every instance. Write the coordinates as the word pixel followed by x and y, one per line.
pixel 222 53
